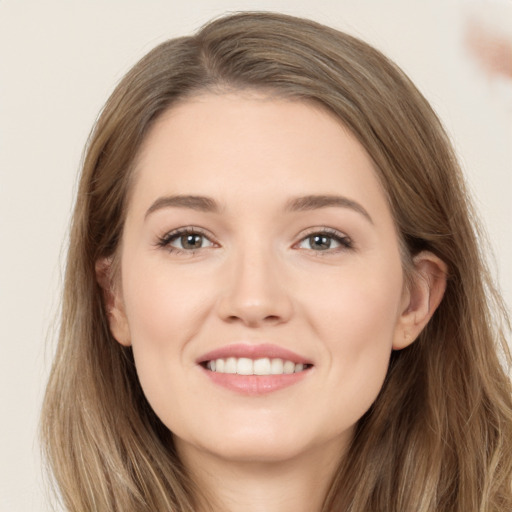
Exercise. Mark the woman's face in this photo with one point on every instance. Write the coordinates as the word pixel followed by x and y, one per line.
pixel 258 241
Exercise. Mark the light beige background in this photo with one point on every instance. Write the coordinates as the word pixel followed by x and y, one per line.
pixel 59 60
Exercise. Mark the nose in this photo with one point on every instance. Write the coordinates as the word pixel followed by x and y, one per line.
pixel 256 292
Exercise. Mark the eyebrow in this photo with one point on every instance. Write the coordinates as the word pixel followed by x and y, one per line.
pixel 199 203
pixel 315 202
pixel 298 204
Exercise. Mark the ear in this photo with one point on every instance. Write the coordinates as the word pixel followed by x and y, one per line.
pixel 421 299
pixel 113 301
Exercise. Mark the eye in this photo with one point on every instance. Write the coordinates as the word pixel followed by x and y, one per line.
pixel 185 240
pixel 190 241
pixel 325 241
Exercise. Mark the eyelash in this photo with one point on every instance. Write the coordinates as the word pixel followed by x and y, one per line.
pixel 166 240
pixel 345 243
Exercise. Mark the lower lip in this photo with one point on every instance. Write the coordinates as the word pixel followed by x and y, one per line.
pixel 255 384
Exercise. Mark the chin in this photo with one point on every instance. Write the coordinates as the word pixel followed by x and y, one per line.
pixel 264 450
pixel 263 444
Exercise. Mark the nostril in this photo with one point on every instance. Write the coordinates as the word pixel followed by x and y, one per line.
pixel 253 309
pixel 254 320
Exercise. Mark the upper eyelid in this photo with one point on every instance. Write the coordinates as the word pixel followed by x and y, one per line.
pixel 165 240
pixel 335 233
pixel 323 230
pixel 187 230
pixel 343 239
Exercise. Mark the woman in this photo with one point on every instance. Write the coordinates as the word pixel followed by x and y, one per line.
pixel 274 297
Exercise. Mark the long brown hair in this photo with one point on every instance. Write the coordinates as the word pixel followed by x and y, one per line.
pixel 439 436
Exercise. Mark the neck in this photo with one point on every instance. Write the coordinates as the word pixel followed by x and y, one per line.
pixel 295 485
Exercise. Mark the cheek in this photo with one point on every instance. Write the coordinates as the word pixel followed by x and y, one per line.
pixel 358 306
pixel 162 309
pixel 164 313
pixel 356 320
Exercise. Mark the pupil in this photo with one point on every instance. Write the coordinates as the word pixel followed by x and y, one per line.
pixel 191 241
pixel 320 242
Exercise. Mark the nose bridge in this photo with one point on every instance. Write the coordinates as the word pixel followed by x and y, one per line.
pixel 255 291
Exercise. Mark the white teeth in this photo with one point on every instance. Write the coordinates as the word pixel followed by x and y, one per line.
pixel 220 365
pixel 262 366
pixel 246 366
pixel 276 367
pixel 230 366
pixel 289 367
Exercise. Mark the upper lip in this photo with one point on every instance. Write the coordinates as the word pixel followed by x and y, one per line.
pixel 252 351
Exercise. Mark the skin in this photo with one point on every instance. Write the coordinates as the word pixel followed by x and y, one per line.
pixel 257 277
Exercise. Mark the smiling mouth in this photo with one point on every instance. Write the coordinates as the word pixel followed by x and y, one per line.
pixel 259 367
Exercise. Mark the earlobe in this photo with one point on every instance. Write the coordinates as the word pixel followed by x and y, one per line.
pixel 112 299
pixel 424 296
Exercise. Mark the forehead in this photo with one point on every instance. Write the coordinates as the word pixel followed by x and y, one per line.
pixel 252 146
